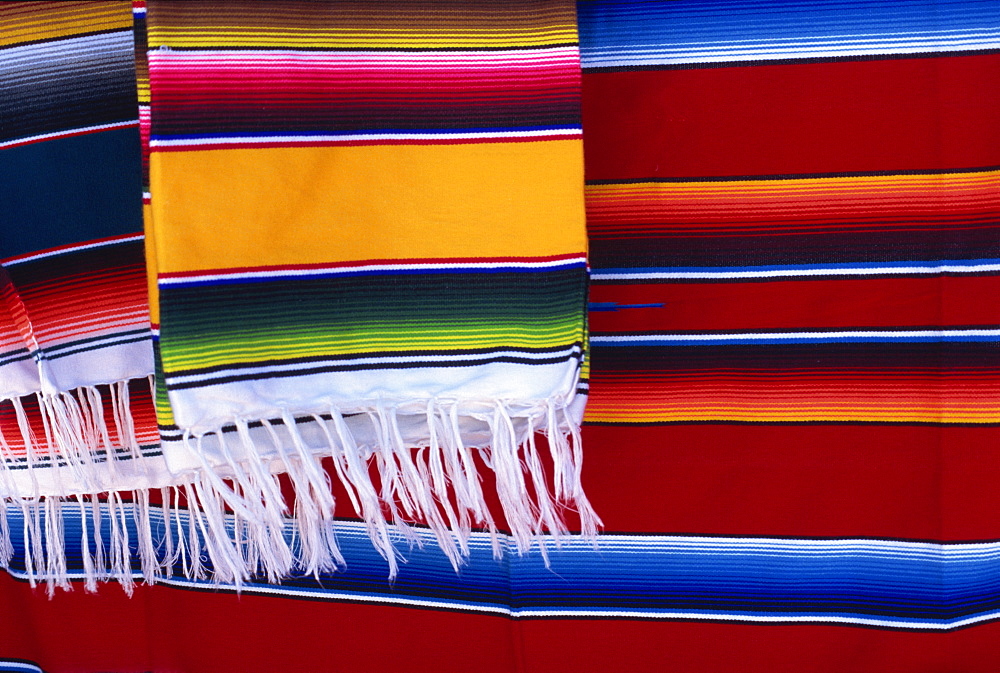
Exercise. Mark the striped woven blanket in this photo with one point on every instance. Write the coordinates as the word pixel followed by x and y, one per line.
pixel 792 214
pixel 366 253
pixel 792 417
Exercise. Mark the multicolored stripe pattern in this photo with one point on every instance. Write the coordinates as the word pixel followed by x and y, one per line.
pixel 793 239
pixel 387 316
pixel 81 298
pixel 793 220
pixel 71 245
pixel 792 427
pixel 436 160
pixel 19 369
pixel 708 33
pixel 832 174
pixel 65 68
pixel 880 583
pixel 20 455
pixel 863 224
pixel 294 74
pixel 142 88
pixel 68 237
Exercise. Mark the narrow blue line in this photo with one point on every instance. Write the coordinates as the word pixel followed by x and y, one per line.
pixel 598 343
pixel 363 132
pixel 930 265
pixel 172 285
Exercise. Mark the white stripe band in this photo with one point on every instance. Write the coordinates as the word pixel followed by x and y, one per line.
pixel 68 132
pixel 434 266
pixel 73 248
pixel 60 54
pixel 237 140
pixel 767 336
pixel 773 50
pixel 805 272
pixel 279 590
pixel 212 57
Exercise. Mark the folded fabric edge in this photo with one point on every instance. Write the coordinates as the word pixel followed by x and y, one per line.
pixel 60 447
pixel 417 464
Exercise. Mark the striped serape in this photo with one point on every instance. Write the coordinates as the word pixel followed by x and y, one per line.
pixel 791 429
pixel 76 413
pixel 366 264
pixel 369 238
pixel 795 227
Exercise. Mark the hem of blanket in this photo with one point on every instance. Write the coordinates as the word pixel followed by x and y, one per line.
pixel 76 448
pixel 259 503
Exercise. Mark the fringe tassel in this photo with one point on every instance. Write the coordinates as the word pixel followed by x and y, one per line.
pixel 227 520
pixel 79 450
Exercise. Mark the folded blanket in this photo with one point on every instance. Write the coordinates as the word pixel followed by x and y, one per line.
pixel 76 416
pixel 370 239
pixel 366 255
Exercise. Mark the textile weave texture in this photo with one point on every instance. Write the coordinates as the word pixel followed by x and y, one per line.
pixel 791 422
pixel 414 316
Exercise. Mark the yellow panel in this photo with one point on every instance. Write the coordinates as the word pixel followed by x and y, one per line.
pixel 33 21
pixel 231 208
pixel 216 38
pixel 150 247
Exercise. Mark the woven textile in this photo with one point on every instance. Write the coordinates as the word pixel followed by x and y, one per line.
pixel 794 233
pixel 369 237
pixel 366 246
pixel 76 417
pixel 791 428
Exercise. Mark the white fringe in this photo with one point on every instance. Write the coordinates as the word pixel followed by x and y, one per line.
pixel 227 521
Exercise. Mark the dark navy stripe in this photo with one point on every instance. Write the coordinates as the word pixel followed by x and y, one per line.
pixel 90 184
